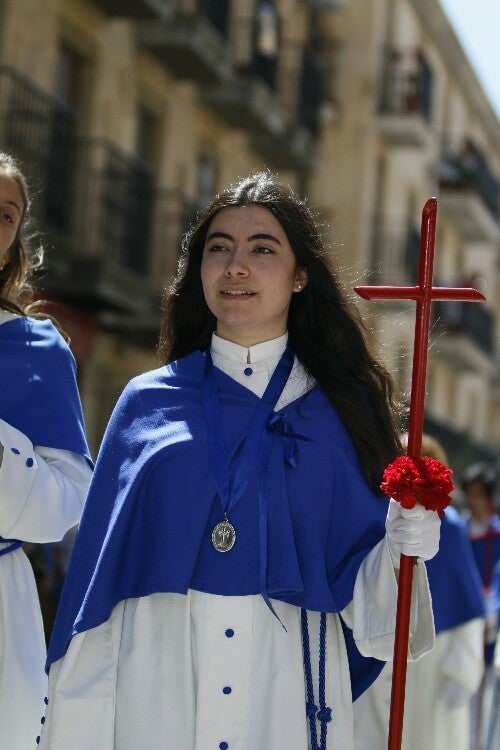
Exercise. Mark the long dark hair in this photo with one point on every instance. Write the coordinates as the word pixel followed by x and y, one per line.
pixel 325 331
pixel 16 291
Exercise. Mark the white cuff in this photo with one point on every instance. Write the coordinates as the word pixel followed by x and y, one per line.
pixel 374 608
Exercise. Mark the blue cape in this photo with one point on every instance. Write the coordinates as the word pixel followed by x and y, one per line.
pixel 486 549
pixel 454 581
pixel 38 389
pixel 152 505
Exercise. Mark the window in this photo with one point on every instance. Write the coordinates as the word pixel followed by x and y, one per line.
pixel 217 12
pixel 205 180
pixel 266 42
pixel 267 38
pixel 63 123
pixel 147 141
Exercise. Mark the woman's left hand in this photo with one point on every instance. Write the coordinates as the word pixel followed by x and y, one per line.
pixel 412 531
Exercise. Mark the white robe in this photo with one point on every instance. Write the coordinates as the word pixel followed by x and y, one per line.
pixel 201 671
pixel 38 503
pixel 493 732
pixel 450 673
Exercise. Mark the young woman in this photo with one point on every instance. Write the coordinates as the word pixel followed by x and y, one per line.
pixel 232 577
pixel 45 466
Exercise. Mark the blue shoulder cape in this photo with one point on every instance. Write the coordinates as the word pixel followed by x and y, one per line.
pixel 486 549
pixel 152 504
pixel 454 580
pixel 38 390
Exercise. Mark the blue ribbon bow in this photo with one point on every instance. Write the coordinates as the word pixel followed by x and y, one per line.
pixel 280 423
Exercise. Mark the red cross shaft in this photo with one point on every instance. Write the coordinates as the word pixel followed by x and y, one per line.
pixel 423 294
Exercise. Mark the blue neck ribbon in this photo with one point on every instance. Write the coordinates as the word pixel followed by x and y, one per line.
pixel 255 445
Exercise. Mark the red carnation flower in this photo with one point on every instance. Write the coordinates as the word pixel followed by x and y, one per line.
pixel 425 480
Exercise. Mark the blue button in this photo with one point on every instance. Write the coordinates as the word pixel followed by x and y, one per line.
pixel 223 745
pixel 29 462
pixel 38 739
pixel 226 690
pixel 14 450
pixel 248 371
pixel 46 701
pixel 42 720
pixel 229 633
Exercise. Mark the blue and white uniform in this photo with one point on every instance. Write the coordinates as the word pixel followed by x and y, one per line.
pixel 44 477
pixel 147 652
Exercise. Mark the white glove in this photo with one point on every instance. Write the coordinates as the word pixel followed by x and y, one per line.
pixel 414 532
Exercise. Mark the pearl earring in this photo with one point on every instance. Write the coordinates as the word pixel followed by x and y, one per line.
pixel 299 287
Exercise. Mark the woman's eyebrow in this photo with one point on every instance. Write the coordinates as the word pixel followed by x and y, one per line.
pixel 13 203
pixel 215 235
pixel 264 236
pixel 258 236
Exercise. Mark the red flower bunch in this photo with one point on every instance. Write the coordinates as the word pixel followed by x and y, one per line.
pixel 425 480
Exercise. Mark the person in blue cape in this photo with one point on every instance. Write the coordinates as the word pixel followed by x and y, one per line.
pixel 233 580
pixel 483 523
pixel 440 685
pixel 478 484
pixel 493 734
pixel 45 466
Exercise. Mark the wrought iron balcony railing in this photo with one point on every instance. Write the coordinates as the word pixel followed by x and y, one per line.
pixel 407 83
pixel 95 206
pixel 467 169
pixel 192 42
pixel 38 129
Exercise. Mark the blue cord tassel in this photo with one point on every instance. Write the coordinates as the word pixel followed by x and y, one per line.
pixel 324 714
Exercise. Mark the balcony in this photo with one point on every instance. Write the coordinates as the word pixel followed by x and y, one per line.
pixel 406 99
pixel 38 129
pixel 246 102
pixel 94 205
pixel 135 8
pixel 277 98
pixel 192 41
pixel 102 257
pixel 469 193
pixel 463 332
pixel 293 147
pixel 249 99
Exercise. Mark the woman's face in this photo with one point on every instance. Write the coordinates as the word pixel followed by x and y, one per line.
pixel 249 274
pixel 11 211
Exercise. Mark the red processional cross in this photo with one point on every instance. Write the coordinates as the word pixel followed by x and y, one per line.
pixel 423 294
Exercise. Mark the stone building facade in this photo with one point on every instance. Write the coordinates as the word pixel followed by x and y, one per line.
pixel 129 114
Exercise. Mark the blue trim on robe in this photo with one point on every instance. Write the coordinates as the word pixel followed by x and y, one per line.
pixel 38 389
pixel 454 581
pixel 147 523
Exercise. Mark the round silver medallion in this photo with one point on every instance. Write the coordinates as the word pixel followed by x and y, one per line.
pixel 223 536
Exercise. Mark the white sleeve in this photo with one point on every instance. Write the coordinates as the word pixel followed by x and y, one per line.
pixel 42 490
pixel 372 612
